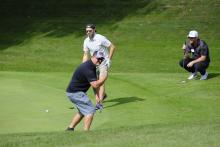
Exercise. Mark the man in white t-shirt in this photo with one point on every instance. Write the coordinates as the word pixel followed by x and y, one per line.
pixel 96 42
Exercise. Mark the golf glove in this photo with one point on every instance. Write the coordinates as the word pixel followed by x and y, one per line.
pixel 107 62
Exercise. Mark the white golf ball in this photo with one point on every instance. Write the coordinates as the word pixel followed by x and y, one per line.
pixel 47 110
pixel 183 81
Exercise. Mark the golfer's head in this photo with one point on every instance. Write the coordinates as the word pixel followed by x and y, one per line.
pixel 193 36
pixel 90 30
pixel 99 56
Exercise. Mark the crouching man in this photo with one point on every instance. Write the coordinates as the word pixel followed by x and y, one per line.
pixel 196 56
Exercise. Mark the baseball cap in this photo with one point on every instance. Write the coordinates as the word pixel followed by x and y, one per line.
pixel 193 33
pixel 92 26
pixel 99 55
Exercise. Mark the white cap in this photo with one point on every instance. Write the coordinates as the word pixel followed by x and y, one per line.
pixel 193 33
pixel 99 54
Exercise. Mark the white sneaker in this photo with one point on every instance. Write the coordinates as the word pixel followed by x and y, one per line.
pixel 192 76
pixel 205 76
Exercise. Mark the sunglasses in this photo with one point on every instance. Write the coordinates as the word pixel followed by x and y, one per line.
pixel 191 37
pixel 88 31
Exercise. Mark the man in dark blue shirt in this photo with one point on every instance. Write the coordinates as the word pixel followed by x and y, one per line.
pixel 199 59
pixel 84 77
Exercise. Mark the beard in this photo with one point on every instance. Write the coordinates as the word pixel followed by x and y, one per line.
pixel 91 36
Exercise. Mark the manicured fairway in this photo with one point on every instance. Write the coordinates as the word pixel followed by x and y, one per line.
pixel 139 106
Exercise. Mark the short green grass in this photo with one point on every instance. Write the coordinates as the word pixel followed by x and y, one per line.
pixel 141 109
pixel 180 135
pixel 148 38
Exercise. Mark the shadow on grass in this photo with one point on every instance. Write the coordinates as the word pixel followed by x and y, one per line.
pixel 20 20
pixel 120 101
pixel 213 75
pixel 123 100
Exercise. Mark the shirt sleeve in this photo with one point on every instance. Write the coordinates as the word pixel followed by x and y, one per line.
pixel 91 76
pixel 85 48
pixel 204 51
pixel 105 42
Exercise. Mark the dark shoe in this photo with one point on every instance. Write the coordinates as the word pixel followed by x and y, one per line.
pixel 70 129
pixel 99 107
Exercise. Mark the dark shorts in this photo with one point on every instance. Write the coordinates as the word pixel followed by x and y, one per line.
pixel 82 102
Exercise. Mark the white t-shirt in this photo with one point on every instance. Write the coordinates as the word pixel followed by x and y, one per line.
pixel 98 43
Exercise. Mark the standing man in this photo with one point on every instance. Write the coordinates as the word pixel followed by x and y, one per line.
pixel 196 56
pixel 96 42
pixel 83 77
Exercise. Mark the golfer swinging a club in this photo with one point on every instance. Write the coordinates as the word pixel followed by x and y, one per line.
pixel 83 77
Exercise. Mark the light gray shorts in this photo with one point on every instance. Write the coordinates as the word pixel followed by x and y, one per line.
pixel 102 69
pixel 82 102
